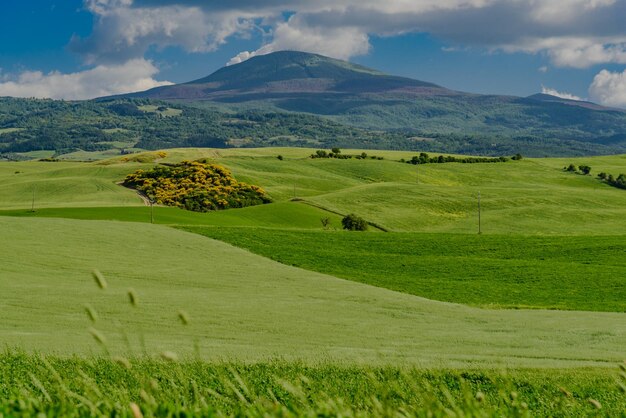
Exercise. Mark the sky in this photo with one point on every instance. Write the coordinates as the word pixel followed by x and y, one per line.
pixel 81 49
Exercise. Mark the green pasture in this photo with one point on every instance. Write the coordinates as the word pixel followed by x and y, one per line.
pixel 283 215
pixel 10 130
pixel 155 109
pixel 64 184
pixel 245 307
pixel 492 271
pixel 532 196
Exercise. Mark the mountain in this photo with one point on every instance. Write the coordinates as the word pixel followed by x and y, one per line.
pixel 288 73
pixel 291 81
pixel 548 98
pixel 299 99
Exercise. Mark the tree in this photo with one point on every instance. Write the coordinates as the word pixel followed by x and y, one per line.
pixel 336 150
pixel 602 176
pixel 517 157
pixel 571 168
pixel 352 222
pixel 585 169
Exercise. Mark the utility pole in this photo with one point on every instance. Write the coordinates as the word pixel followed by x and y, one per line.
pixel 417 167
pixel 479 226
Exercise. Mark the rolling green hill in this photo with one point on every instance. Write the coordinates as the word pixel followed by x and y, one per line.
pixel 263 310
pixel 531 196
pixel 242 306
pixel 535 216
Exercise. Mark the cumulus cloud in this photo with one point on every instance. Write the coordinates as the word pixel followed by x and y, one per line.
pixel 562 95
pixel 103 80
pixel 576 52
pixel 339 42
pixel 609 88
pixel 122 32
pixel 572 33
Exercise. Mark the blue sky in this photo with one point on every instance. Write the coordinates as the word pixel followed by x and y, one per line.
pixel 77 49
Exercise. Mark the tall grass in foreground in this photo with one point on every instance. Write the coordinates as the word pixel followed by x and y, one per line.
pixel 33 384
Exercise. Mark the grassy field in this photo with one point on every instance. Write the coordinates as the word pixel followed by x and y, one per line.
pixel 247 307
pixel 297 329
pixel 64 184
pixel 532 196
pixel 575 273
pixel 518 197
pixel 103 388
pixel 283 215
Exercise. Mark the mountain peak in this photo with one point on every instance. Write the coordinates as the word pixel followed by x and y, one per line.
pixel 289 72
pixel 288 65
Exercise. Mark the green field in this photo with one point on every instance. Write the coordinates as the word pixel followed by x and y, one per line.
pixel 534 303
pixel 167 112
pixel 247 307
pixel 63 184
pixel 574 273
pixel 532 196
pixel 283 215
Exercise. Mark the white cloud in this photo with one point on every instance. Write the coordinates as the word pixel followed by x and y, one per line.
pixel 562 95
pixel 576 52
pixel 340 42
pixel 609 88
pixel 103 80
pixel 122 32
pixel 573 33
pixel 543 69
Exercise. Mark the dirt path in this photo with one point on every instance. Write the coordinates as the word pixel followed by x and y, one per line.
pixel 142 195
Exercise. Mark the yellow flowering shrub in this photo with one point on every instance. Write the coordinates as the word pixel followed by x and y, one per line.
pixel 195 185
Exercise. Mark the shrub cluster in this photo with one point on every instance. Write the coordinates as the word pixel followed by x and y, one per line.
pixel 196 186
pixel 581 169
pixel 353 222
pixel 619 181
pixel 424 158
pixel 336 153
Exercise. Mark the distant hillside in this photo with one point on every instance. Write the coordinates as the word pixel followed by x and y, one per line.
pixel 290 81
pixel 300 99
pixel 127 125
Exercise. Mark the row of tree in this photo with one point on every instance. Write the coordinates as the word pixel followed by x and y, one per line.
pixel 619 181
pixel 424 158
pixel 610 179
pixel 336 153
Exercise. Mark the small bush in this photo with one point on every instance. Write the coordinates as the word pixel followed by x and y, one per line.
pixel 352 222
pixel 280 157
